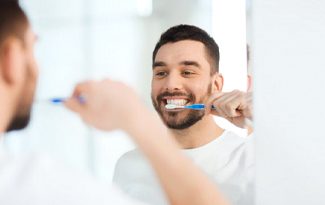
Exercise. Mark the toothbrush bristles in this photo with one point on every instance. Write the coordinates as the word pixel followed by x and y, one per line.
pixel 172 106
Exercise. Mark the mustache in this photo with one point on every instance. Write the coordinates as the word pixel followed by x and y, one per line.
pixel 160 97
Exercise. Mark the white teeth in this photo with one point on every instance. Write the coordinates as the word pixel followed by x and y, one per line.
pixel 176 101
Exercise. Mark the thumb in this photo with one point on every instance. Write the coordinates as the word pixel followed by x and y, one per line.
pixel 210 101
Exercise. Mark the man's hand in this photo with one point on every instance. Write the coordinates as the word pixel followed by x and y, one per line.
pixel 235 106
pixel 108 104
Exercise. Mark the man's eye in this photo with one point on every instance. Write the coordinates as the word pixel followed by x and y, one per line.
pixel 187 73
pixel 161 74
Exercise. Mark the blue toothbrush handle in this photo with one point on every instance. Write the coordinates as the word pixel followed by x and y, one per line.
pixel 57 100
pixel 197 106
pixel 61 100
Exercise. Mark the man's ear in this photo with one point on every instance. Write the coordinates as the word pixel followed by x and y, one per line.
pixel 217 83
pixel 11 60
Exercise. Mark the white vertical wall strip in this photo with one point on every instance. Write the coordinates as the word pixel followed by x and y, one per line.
pixel 229 30
pixel 288 62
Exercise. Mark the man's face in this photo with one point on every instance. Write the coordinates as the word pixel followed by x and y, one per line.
pixel 27 86
pixel 181 76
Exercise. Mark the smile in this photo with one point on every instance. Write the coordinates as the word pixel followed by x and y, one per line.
pixel 180 102
pixel 174 101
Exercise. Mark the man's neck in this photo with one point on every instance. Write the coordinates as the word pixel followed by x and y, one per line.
pixel 199 134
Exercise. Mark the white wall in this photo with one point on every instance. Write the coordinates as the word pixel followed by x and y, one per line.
pixel 229 31
pixel 289 67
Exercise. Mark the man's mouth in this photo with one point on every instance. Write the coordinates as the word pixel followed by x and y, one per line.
pixel 180 102
pixel 174 101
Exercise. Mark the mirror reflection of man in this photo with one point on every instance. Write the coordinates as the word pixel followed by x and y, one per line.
pixel 186 71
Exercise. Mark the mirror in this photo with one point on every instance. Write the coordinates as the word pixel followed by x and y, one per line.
pixel 98 38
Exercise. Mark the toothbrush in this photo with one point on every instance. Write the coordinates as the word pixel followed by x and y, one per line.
pixel 81 99
pixel 193 106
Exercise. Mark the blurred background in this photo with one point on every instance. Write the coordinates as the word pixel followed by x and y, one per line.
pixel 94 39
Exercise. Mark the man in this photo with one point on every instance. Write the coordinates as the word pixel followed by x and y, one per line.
pixel 185 71
pixel 33 179
pixel 36 180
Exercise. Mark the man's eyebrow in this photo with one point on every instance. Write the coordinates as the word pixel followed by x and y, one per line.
pixel 192 63
pixel 158 64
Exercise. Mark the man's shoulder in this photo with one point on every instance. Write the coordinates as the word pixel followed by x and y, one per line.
pixel 233 148
pixel 236 141
pixel 40 170
pixel 240 149
pixel 39 179
pixel 28 164
pixel 231 141
pixel 232 135
pixel 135 176
pixel 132 156
pixel 132 164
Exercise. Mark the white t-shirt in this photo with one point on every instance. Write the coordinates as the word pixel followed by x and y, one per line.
pixel 228 160
pixel 37 180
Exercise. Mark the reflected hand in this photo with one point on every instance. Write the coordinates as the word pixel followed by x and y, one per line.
pixel 108 104
pixel 234 106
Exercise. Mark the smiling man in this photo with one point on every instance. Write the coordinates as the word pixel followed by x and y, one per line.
pixel 186 71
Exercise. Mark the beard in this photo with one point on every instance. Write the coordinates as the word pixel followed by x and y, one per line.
pixel 23 110
pixel 183 123
pixel 20 121
pixel 181 119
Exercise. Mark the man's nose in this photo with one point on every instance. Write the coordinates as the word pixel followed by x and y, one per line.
pixel 173 82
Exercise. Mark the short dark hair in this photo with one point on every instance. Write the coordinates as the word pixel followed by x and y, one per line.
pixel 189 32
pixel 13 20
